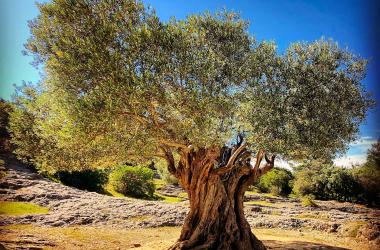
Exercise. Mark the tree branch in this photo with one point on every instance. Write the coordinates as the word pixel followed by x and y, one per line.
pixel 170 160
pixel 230 164
pixel 259 158
pixel 268 166
pixel 174 144
pixel 153 112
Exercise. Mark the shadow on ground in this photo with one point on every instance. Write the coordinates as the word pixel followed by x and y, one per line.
pixel 298 245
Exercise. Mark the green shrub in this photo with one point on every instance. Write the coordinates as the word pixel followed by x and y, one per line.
pixel 308 201
pixel 90 180
pixel 277 181
pixel 133 181
pixel 3 173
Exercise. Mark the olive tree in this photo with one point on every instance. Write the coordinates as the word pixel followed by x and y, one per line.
pixel 120 85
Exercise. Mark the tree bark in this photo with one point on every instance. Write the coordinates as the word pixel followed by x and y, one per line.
pixel 216 180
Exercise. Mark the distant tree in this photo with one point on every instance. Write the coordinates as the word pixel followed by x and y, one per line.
pixel 308 179
pixel 326 182
pixel 341 185
pixel 5 109
pixel 368 175
pixel 373 156
pixel 122 85
pixel 277 181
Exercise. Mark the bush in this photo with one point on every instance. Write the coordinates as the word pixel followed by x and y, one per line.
pixel 133 181
pixel 90 180
pixel 308 201
pixel 277 181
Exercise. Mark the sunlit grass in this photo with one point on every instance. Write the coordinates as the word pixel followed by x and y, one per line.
pixel 308 201
pixel 261 203
pixel 2 174
pixel 21 208
pixel 139 218
pixel 158 183
pixel 255 192
pixel 275 212
pixel 351 228
pixel 111 191
pixel 313 216
pixel 168 198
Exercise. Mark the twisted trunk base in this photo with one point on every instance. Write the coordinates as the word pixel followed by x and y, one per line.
pixel 216 219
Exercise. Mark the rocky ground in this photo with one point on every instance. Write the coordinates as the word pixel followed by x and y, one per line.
pixel 72 207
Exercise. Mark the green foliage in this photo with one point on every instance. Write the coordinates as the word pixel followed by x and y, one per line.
pixel 90 180
pixel 23 126
pixel 120 84
pixel 5 109
pixel 133 181
pixel 20 208
pixel 368 176
pixel 327 183
pixel 277 181
pixel 308 201
pixel 164 173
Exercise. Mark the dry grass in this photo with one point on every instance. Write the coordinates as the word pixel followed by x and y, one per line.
pixel 84 237
pixel 313 238
pixel 262 203
pixel 314 216
pixel 80 237
pixel 351 228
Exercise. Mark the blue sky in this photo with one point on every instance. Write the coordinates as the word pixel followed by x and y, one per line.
pixel 351 23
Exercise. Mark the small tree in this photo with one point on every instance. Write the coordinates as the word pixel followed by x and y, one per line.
pixel 368 175
pixel 326 182
pixel 5 109
pixel 120 84
pixel 277 181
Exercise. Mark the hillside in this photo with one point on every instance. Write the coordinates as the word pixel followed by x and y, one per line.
pixel 80 219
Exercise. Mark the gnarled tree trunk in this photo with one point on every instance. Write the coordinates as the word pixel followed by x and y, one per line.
pixel 215 180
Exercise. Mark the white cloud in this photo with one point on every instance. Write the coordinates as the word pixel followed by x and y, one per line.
pixel 350 160
pixel 280 163
pixel 357 156
pixel 365 141
pixel 357 153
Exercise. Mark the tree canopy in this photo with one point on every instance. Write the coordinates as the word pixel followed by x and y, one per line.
pixel 120 84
